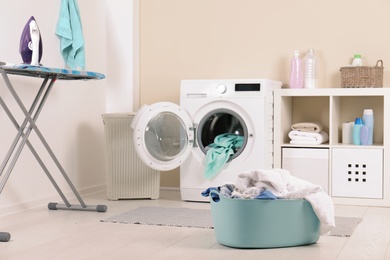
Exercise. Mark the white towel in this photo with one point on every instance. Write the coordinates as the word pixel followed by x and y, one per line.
pixel 299 137
pixel 313 127
pixel 283 185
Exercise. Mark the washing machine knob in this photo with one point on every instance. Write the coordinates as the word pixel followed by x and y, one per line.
pixel 221 89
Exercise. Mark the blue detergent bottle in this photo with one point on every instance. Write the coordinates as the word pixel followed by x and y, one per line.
pixel 356 130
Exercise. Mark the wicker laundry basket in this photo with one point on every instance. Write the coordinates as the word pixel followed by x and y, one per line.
pixel 362 76
pixel 127 176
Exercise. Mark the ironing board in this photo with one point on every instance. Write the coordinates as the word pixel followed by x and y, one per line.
pixel 49 76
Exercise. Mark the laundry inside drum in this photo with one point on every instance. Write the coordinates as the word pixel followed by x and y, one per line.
pixel 222 123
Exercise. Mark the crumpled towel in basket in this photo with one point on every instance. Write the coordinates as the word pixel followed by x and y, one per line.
pixel 284 185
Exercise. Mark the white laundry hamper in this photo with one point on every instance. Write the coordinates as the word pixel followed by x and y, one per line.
pixel 127 176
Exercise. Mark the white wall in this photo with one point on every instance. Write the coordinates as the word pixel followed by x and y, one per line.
pixel 71 119
pixel 122 43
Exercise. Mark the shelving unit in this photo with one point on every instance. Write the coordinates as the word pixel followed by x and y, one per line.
pixel 348 183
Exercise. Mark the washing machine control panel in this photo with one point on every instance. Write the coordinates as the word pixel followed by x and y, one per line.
pixel 247 87
pixel 221 88
pixel 230 89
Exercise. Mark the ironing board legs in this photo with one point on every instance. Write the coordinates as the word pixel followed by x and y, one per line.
pixel 5 236
pixel 98 208
pixel 19 135
pixel 24 131
pixel 33 152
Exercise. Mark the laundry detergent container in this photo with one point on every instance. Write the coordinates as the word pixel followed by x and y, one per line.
pixel 254 223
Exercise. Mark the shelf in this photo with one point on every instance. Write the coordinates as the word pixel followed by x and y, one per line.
pixel 326 145
pixel 375 146
pixel 332 107
pixel 334 92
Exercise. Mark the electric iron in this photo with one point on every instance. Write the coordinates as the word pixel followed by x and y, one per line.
pixel 31 43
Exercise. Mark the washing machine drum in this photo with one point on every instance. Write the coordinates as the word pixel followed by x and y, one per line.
pixel 222 121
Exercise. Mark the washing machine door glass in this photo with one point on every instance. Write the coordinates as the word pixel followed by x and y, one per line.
pixel 162 135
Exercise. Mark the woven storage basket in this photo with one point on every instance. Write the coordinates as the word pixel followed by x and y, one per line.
pixel 362 76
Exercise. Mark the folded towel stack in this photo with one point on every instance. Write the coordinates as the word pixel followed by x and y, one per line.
pixel 310 127
pixel 307 133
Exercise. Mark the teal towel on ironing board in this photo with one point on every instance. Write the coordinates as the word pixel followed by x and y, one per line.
pixel 70 32
pixel 220 152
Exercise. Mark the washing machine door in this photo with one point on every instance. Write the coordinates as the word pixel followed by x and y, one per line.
pixel 163 135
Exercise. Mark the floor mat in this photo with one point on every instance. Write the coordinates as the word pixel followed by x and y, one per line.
pixel 201 218
pixel 344 226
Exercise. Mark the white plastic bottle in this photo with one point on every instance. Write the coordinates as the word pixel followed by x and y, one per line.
pixel 357 60
pixel 296 73
pixel 368 120
pixel 310 70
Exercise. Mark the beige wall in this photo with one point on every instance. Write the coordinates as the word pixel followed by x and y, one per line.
pixel 205 39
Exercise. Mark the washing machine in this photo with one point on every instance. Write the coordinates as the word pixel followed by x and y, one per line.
pixel 167 135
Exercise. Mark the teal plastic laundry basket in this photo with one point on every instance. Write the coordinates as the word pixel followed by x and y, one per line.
pixel 254 223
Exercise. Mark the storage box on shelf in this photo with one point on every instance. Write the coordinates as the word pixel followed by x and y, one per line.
pixel 300 162
pixel 357 173
pixel 332 107
pixel 362 76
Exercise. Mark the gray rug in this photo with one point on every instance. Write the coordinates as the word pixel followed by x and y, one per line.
pixel 201 218
pixel 163 216
pixel 344 226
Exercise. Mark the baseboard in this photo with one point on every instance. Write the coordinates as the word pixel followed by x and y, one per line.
pixel 43 202
pixel 86 191
pixel 170 188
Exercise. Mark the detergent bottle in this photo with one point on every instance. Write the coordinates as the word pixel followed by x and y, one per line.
pixel 310 70
pixel 296 73
pixel 356 131
pixel 368 120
